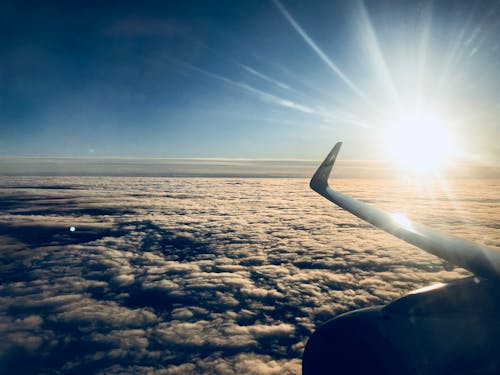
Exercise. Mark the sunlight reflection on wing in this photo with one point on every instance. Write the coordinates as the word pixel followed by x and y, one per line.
pixel 403 221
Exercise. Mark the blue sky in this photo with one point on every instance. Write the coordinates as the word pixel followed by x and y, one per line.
pixel 243 79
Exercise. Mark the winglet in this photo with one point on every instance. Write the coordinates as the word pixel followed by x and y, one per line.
pixel 319 182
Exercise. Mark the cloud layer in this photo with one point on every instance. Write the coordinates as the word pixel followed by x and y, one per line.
pixel 187 275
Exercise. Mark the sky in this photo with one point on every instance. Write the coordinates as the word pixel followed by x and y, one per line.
pixel 246 79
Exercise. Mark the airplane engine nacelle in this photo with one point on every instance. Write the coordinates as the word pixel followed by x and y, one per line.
pixel 351 344
pixel 452 328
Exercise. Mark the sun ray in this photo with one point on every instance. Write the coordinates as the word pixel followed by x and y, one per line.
pixel 375 52
pixel 456 52
pixel 422 51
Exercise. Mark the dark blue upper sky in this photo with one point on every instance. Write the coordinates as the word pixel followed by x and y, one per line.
pixel 241 78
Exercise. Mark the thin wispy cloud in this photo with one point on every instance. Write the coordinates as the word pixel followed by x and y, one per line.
pixel 260 94
pixel 322 55
pixel 264 77
pixel 319 114
pixel 375 53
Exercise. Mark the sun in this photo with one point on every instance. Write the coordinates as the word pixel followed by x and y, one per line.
pixel 419 140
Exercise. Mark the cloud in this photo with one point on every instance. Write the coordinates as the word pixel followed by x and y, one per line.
pixel 264 77
pixel 258 93
pixel 187 275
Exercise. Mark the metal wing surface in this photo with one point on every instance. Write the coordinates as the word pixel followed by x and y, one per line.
pixel 478 259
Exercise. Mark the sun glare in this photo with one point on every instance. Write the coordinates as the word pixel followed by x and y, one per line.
pixel 419 141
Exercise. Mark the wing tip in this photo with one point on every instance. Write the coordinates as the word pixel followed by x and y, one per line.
pixel 319 181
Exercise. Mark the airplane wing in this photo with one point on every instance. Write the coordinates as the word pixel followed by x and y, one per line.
pixel 480 260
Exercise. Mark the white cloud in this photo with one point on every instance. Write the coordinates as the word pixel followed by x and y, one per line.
pixel 201 276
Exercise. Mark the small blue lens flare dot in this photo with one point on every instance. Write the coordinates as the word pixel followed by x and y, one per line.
pixel 72 229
